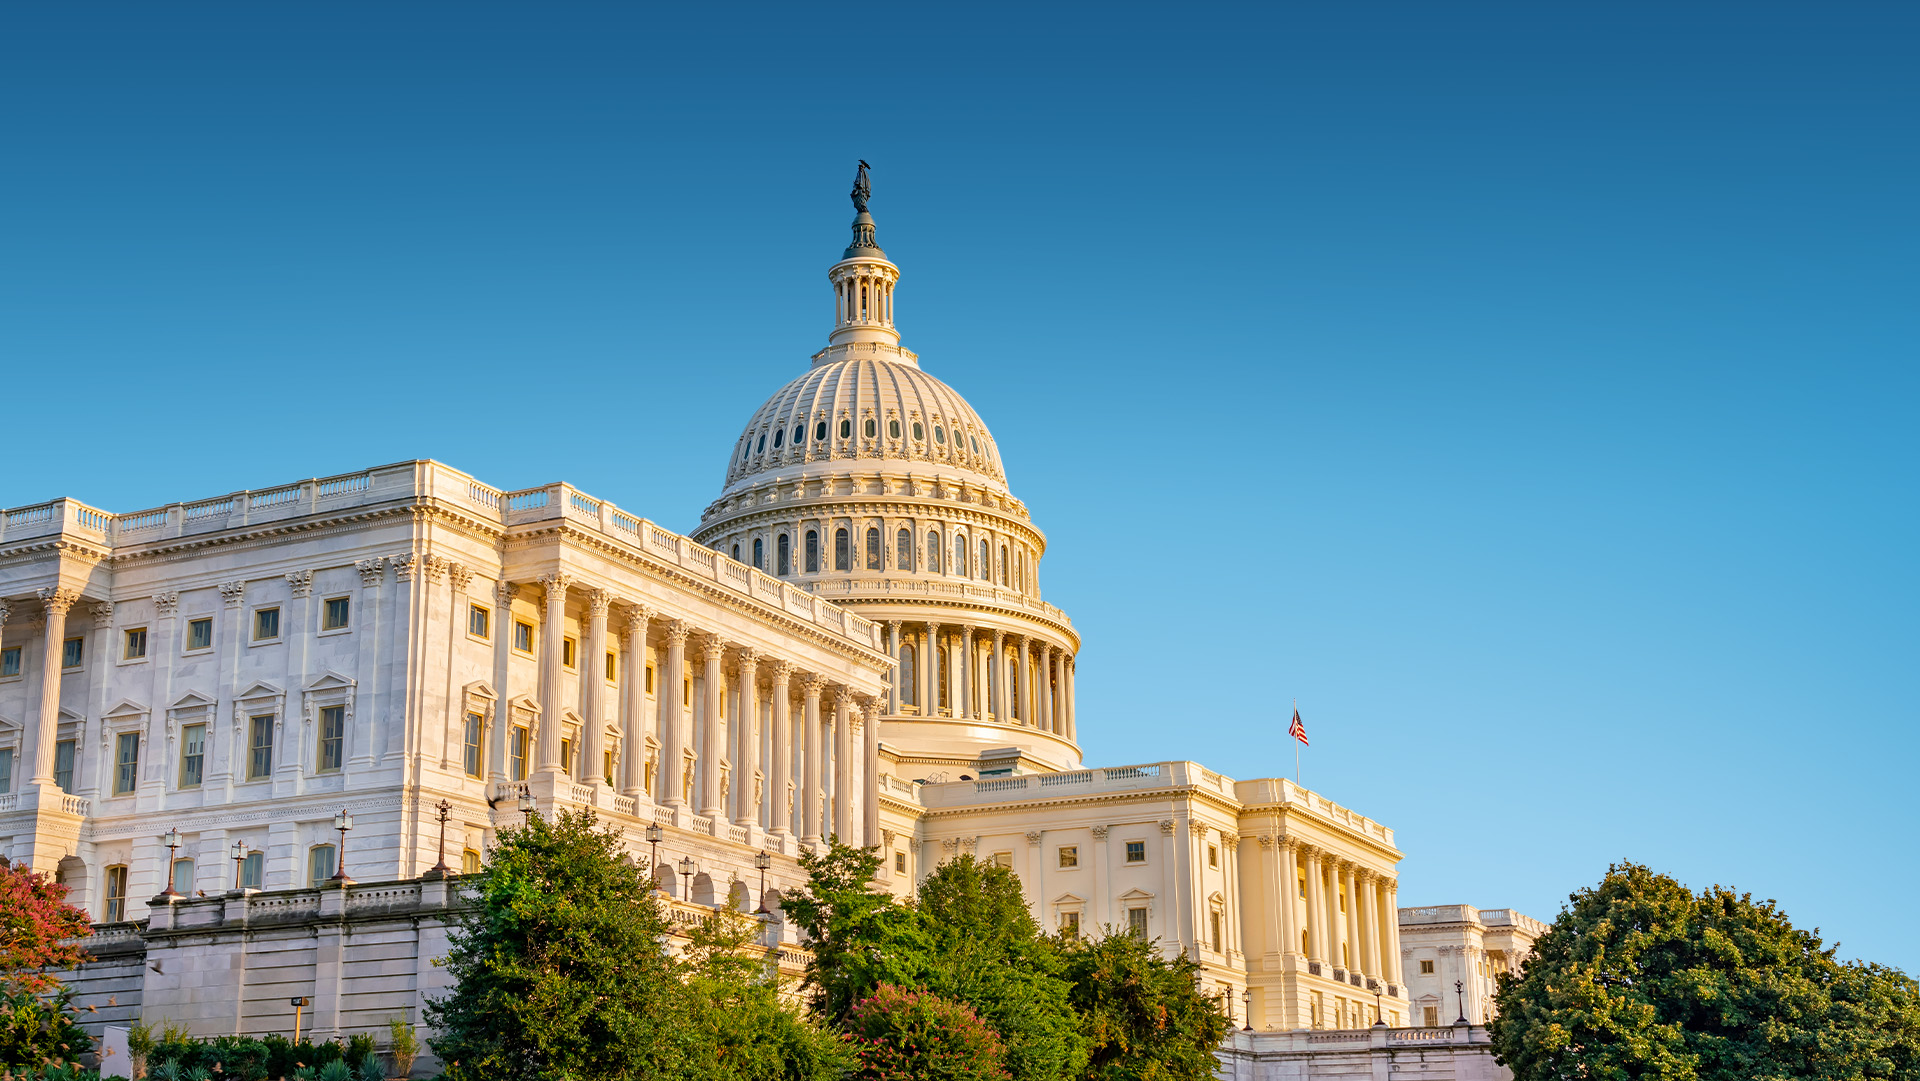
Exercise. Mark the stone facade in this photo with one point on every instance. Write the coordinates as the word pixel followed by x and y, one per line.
pixel 1453 1053
pixel 1448 944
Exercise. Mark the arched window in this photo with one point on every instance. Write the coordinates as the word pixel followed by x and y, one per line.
pixel 777 437
pixel 933 553
pixel 919 433
pixel 1003 564
pixel 783 555
pixel 320 865
pixel 903 550
pixel 906 677
pixel 820 431
pixel 846 428
pixel 873 549
pixel 763 441
pixel 939 435
pixel 759 555
pixel 736 553
pixel 985 570
pixel 863 302
pixel 1019 569
pixel 799 434
pixel 960 556
pixel 1015 676
pixel 813 551
pixel 870 428
pixel 976 443
pixel 840 555
pixel 893 429
pixel 746 448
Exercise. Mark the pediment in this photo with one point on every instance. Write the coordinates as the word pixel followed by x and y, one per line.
pixel 8 724
pixel 1069 899
pixel 71 715
pixel 480 688
pixel 1136 895
pixel 331 680
pixel 260 690
pixel 1216 898
pixel 193 700
pixel 526 702
pixel 127 708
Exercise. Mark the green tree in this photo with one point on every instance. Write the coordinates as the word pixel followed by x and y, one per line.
pixel 38 930
pixel 905 1035
pixel 1140 1012
pixel 734 1025
pixel 1640 978
pixel 860 936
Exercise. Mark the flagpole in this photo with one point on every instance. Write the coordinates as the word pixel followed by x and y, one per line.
pixel 1296 748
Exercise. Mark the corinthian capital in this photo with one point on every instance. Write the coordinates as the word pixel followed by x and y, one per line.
pixel 164 604
pixel 782 672
pixel 598 601
pixel 638 617
pixel 556 586
pixel 301 582
pixel 677 631
pixel 371 570
pixel 5 609
pixel 749 660
pixel 58 599
pixel 234 593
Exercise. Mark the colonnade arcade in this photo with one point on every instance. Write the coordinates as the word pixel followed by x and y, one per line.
pixel 1344 918
pixel 966 672
pixel 758 741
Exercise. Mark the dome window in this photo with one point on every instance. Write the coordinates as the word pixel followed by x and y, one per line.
pixel 872 429
pixel 799 434
pixel 777 437
pixel 919 433
pixel 873 549
pixel 893 429
pixel 846 428
pixel 813 551
pixel 939 435
pixel 933 552
pixel 746 449
pixel 783 556
pixel 903 550
pixel 841 560
pixel 976 443
pixel 759 553
pixel 820 432
pixel 763 441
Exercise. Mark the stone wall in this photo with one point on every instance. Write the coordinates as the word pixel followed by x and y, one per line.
pixel 1455 1053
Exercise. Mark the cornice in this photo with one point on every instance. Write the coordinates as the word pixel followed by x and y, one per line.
pixel 869 506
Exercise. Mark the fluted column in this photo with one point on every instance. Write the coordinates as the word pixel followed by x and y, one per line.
pixel 924 677
pixel 633 756
pixel 1043 688
pixel 1349 919
pixel 1392 924
pixel 46 730
pixel 593 688
pixel 1024 685
pixel 1288 896
pixel 870 775
pixel 1002 709
pixel 780 745
pixel 893 649
pixel 1057 677
pixel 1067 666
pixel 968 704
pixel 673 718
pixel 1316 905
pixel 811 769
pixel 746 741
pixel 843 765
pixel 711 748
pixel 553 631
pixel 1369 916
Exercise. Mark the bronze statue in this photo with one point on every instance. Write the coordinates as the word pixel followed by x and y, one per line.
pixel 861 189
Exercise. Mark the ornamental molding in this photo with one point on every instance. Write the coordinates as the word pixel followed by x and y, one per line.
pixel 57 599
pixel 504 592
pixel 371 570
pixel 460 574
pixel 234 594
pixel 300 582
pixel 403 564
pixel 1100 832
pixel 165 604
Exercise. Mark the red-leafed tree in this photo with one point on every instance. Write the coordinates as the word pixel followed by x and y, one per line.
pixel 904 1035
pixel 37 927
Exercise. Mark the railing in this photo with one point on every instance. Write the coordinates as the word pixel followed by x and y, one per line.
pixel 583 793
pixel 7 801
pixel 1008 784
pixel 483 496
pixel 336 486
pixel 146 519
pixel 703 824
pixel 276 496
pixel 533 500
pixel 76 805
pixel 626 805
pixel 212 507
pixel 663 815
pixel 1115 773
pixel 737 834
pixel 31 515
pixel 1084 776
pixel 580 501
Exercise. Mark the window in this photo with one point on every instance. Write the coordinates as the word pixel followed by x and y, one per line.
pixel 6 770
pixel 63 765
pixel 933 553
pixel 1343 896
pixel 778 437
pixel 899 858
pixel 1137 922
pixel 919 433
pixel 478 619
pixel 566 653
pixel 9 662
pixel 1426 968
pixel 909 680
pixel 759 555
pixel 134 644
pixel 252 870
pixel 469 862
pixel 783 556
pixel 72 652
pixel 319 865
pixel 799 434
pixel 873 549
pixel 975 440
pixel 613 667
pixel 1213 925
pixel 517 754
pixel 607 758
pixel 1003 564
pixel 870 429
pixel 903 550
pixel 839 563
pixel 846 428
pixel 1070 856
pixel 1136 851
pixel 116 909
pixel 1003 859
pixel 986 561
pixel 333 738
pixel 126 762
pixel 260 747
pixel 1430 1016
pixel 763 442
pixel 266 624
pixel 820 430
pixel 183 875
pixel 939 435
pixel 470 756
pixel 960 556
pixel 1303 883
pixel 566 758
pixel 1213 855
pixel 523 636
pixel 1070 924
pixel 649 679
pixel 199 634
pixel 893 429
pixel 338 614
pixel 193 755
pixel 813 550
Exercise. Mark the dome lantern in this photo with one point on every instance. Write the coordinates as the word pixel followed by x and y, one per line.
pixel 863 281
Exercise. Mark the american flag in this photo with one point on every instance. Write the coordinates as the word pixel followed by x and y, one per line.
pixel 1297 730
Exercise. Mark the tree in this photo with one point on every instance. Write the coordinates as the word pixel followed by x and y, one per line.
pixel 734 1023
pixel 905 1035
pixel 860 936
pixel 1141 1015
pixel 37 933
pixel 1641 978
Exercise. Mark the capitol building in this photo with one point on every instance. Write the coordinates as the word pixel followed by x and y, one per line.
pixel 853 642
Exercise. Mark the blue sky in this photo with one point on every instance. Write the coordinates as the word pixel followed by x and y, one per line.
pixel 1527 389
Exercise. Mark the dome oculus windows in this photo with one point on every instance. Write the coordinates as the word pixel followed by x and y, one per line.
pixel 763 441
pixel 976 443
pixel 777 437
pixel 799 434
pixel 846 428
pixel 939 435
pixel 820 432
pixel 919 433
pixel 872 429
pixel 893 429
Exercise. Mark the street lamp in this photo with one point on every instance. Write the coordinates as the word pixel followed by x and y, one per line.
pixel 763 861
pixel 1246 996
pixel 171 839
pixel 440 868
pixel 686 876
pixel 1459 989
pixel 1379 1012
pixel 342 822
pixel 526 803
pixel 654 833
pixel 297 1003
pixel 239 856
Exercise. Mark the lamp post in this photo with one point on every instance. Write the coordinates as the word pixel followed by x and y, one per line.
pixel 440 868
pixel 1379 1012
pixel 527 804
pixel 1246 997
pixel 654 833
pixel 342 822
pixel 297 1003
pixel 686 876
pixel 171 839
pixel 1459 990
pixel 762 862
pixel 239 856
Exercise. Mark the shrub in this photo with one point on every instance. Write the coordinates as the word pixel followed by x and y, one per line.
pixel 38 1027
pixel 405 1045
pixel 902 1035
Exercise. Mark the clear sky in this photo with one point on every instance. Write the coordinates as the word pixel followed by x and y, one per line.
pixel 1528 389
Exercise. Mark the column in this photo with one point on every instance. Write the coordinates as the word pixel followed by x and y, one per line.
pixel 780 745
pixel 707 766
pixel 1392 923
pixel 221 754
pixel 1025 684
pixel 673 718
pixel 633 758
pixel 870 780
pixel 1369 926
pixel 1067 665
pixel 553 630
pixel 746 741
pixel 950 676
pixel 1316 911
pixel 1059 680
pixel 893 650
pixel 502 626
pixel 924 677
pixel 593 711
pixel 1350 925
pixel 969 706
pixel 810 766
pixel 843 765
pixel 46 730
pixel 1043 688
pixel 997 670
pixel 1288 896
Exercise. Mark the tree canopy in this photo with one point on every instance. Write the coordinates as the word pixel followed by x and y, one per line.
pixel 1641 978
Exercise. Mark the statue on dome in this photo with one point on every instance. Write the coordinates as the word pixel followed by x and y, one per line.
pixel 861 189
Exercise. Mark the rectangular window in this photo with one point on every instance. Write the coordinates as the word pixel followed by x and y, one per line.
pixel 649 679
pixel 475 724
pixel 1343 897
pixel 1070 924
pixel 63 765
pixel 1003 859
pixel 333 737
pixel 193 754
pixel 319 865
pixel 1426 968
pixel 338 614
pixel 566 757
pixel 72 652
pixel 1213 855
pixel 1136 851
pixel 6 770
pixel 183 875
pixel 1070 856
pixel 523 636
pixel 1303 883
pixel 260 748
pixel 899 863
pixel 116 908
pixel 1430 1016
pixel 566 653
pixel 613 667
pixel 199 634
pixel 266 624
pixel 9 662
pixel 126 763
pixel 135 640
pixel 469 862
pixel 1137 922
pixel 517 754
pixel 1214 926
pixel 252 870
pixel 478 621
